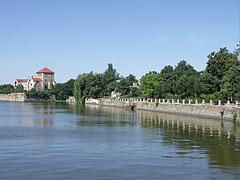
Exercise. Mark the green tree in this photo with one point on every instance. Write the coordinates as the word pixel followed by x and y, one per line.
pixel 19 89
pixel 206 84
pixel 38 95
pixel 63 90
pixel 167 73
pixel 183 80
pixel 89 85
pixel 123 86
pixel 149 83
pixel 219 63
pixel 185 86
pixel 184 69
pixel 6 89
pixel 110 79
pixel 231 82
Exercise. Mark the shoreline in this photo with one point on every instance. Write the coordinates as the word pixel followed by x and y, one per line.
pixel 217 112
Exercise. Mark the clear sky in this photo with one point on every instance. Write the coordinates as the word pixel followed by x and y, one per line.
pixel 74 36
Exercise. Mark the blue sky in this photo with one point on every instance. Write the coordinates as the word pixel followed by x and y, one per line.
pixel 74 36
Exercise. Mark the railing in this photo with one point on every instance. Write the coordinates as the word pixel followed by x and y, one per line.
pixel 173 101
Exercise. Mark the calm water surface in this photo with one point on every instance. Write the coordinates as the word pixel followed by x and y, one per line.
pixel 60 141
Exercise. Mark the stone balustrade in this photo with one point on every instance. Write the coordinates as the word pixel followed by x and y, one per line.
pixel 177 101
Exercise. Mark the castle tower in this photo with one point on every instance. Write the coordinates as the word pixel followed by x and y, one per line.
pixel 47 77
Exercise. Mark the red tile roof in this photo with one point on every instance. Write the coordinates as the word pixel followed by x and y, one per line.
pixel 22 80
pixel 25 80
pixel 45 70
pixel 37 79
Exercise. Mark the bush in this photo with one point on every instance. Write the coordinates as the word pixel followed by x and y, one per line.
pixel 235 116
pixel 38 95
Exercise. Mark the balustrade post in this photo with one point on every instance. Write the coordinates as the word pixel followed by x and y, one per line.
pixel 219 102
pixel 228 103
pixel 211 102
pixel 190 101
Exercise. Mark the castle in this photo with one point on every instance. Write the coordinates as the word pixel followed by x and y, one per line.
pixel 44 80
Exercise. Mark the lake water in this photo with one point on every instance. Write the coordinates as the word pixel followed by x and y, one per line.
pixel 43 141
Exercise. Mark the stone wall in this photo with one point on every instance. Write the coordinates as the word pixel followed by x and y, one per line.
pixel 71 100
pixel 21 97
pixel 205 110
pixel 13 97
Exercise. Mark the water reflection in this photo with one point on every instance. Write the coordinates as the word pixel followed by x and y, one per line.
pixel 190 124
pixel 106 140
pixel 34 114
pixel 218 139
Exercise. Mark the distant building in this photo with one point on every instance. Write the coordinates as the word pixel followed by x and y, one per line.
pixel 135 85
pixel 115 94
pixel 44 80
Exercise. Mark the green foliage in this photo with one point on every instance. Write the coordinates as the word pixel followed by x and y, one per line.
pixel 219 63
pixel 6 89
pixel 19 89
pixel 38 95
pixel 134 92
pixel 231 82
pixel 220 80
pixel 123 86
pixel 206 84
pixel 64 90
pixel 95 85
pixel 110 78
pixel 234 116
pixel 150 83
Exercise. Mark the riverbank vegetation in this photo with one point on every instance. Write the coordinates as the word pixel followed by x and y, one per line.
pixel 219 80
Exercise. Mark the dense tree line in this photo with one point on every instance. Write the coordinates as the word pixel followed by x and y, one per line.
pixel 219 80
pixel 8 88
pixel 63 90
pixel 96 85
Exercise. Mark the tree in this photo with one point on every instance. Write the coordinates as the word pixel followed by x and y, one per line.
pixel 219 63
pixel 38 95
pixel 149 83
pixel 123 86
pixel 184 69
pixel 231 82
pixel 6 89
pixel 19 89
pixel 206 84
pixel 110 79
pixel 183 80
pixel 89 85
pixel 185 86
pixel 63 90
pixel 167 73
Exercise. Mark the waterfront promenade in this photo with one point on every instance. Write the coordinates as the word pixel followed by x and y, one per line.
pixel 217 111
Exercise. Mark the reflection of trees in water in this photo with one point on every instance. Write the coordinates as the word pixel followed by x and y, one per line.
pixel 218 139
pixel 35 113
pixel 103 116
pixel 102 111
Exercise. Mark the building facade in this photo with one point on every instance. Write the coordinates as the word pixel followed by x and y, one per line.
pixel 44 80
